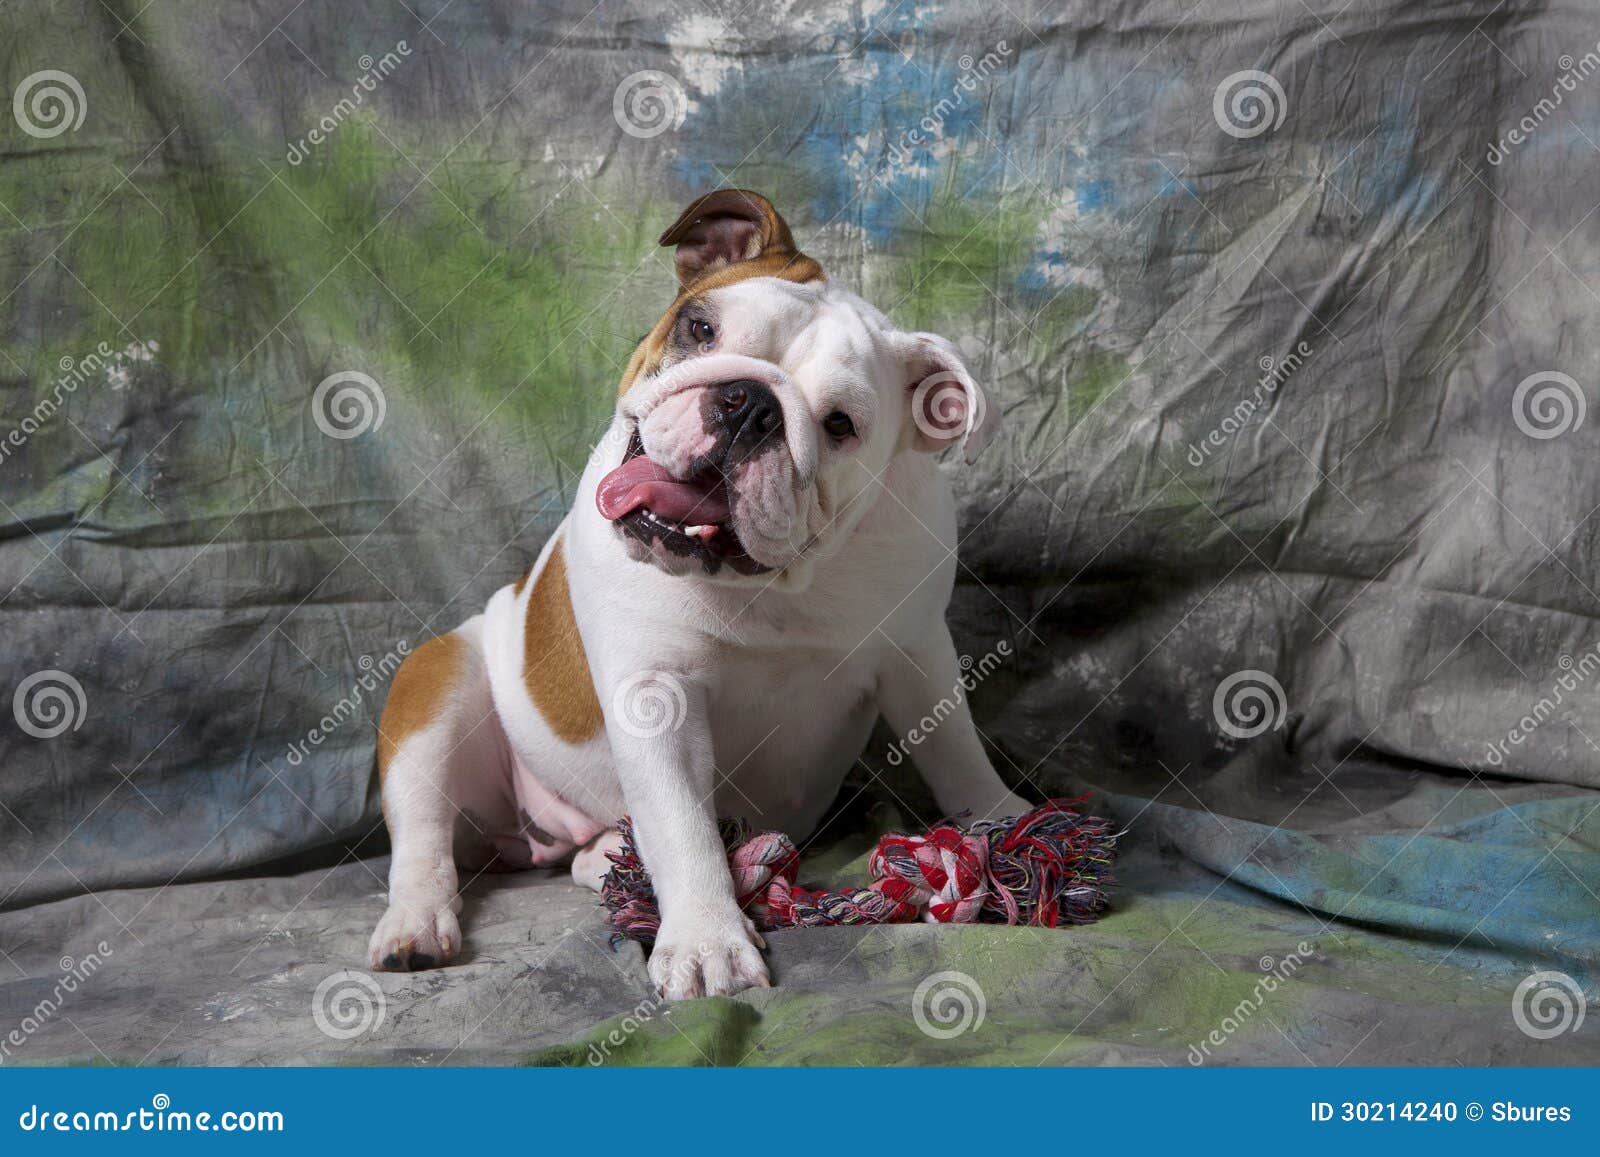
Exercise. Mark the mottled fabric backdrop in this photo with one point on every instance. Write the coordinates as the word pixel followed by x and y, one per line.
pixel 312 310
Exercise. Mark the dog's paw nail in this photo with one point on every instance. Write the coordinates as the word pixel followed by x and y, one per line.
pixel 410 937
pixel 720 963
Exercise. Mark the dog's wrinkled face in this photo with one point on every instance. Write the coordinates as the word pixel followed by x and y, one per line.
pixel 761 413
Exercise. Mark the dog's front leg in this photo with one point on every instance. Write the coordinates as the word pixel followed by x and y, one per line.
pixel 706 946
pixel 922 693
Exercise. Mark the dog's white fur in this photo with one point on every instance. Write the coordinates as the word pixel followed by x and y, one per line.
pixel 781 674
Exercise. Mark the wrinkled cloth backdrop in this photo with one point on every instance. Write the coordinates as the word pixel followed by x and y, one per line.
pixel 1290 531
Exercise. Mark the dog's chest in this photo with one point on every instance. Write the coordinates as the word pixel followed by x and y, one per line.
pixel 785 733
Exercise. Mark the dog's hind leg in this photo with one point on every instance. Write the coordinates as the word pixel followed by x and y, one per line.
pixel 589 863
pixel 440 748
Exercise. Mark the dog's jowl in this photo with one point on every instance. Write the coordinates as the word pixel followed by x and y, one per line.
pixel 757 566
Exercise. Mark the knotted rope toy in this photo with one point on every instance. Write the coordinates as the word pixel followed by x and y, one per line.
pixel 1049 867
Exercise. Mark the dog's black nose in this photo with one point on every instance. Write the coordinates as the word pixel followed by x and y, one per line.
pixel 749 411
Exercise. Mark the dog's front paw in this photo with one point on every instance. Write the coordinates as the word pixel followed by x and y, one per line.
pixel 706 959
pixel 411 937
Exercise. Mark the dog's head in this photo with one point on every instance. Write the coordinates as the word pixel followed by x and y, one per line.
pixel 761 413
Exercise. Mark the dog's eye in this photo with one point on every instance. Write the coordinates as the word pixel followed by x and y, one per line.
pixel 702 332
pixel 838 425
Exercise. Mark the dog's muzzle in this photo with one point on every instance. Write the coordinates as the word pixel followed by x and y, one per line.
pixel 687 517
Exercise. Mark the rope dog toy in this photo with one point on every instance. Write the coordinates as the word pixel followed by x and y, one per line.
pixel 1049 867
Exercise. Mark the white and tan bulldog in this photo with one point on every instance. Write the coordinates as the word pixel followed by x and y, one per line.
pixel 757 565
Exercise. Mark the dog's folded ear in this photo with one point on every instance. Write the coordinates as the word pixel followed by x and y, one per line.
pixel 725 228
pixel 947 406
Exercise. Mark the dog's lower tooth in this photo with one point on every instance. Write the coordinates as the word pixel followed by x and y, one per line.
pixel 693 531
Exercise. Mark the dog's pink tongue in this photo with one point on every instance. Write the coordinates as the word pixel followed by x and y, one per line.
pixel 643 482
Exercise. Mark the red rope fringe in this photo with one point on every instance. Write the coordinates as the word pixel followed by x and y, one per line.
pixel 1047 868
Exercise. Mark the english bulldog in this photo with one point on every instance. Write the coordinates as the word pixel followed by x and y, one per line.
pixel 757 564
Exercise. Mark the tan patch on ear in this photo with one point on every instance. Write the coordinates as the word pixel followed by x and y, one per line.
pixel 647 357
pixel 695 231
pixel 417 697
pixel 554 666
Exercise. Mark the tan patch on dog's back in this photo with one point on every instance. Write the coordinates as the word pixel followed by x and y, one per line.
pixel 421 687
pixel 554 666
